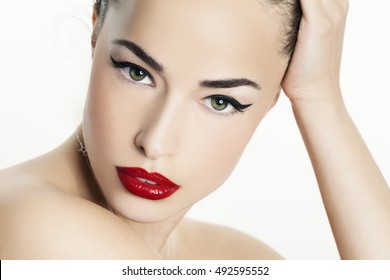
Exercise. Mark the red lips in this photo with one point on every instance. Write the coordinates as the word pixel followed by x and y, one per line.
pixel 139 182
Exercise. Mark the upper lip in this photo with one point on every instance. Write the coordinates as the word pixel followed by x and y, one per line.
pixel 141 173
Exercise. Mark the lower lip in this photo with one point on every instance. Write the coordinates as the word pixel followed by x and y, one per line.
pixel 128 178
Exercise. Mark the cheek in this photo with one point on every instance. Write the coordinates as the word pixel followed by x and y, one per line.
pixel 105 123
pixel 213 150
pixel 112 113
pixel 215 145
pixel 99 114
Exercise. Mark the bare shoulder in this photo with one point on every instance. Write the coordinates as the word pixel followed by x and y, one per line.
pixel 208 241
pixel 39 222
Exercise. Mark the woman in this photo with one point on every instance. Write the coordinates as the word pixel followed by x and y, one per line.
pixel 173 83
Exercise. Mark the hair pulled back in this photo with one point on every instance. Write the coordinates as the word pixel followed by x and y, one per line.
pixel 289 10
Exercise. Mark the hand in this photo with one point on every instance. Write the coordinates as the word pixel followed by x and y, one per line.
pixel 314 70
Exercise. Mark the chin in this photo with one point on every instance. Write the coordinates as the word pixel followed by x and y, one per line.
pixel 140 210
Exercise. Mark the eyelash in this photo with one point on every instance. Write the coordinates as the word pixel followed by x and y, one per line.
pixel 122 65
pixel 237 107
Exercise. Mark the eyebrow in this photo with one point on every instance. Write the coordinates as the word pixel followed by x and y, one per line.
pixel 145 57
pixel 140 53
pixel 230 83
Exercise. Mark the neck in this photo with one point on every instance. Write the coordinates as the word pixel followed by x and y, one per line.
pixel 160 235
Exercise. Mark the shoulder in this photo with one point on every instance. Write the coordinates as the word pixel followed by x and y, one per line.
pixel 39 222
pixel 208 241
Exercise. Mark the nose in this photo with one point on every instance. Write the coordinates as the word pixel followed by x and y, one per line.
pixel 159 136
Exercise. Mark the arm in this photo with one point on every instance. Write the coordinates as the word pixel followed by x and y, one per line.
pixel 355 194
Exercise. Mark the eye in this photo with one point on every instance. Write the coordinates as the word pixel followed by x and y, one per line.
pixel 133 72
pixel 224 104
pixel 219 103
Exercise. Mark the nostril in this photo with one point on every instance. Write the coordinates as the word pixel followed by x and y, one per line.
pixel 141 149
pixel 138 144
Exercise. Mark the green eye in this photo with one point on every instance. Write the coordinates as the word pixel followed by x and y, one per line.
pixel 133 73
pixel 137 74
pixel 224 105
pixel 219 103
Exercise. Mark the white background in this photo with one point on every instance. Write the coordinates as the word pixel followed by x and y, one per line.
pixel 44 62
pixel 113 270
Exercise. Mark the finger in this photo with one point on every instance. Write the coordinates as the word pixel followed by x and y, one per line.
pixel 343 4
pixel 335 10
pixel 312 10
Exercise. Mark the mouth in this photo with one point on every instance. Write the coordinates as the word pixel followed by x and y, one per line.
pixel 146 181
pixel 152 186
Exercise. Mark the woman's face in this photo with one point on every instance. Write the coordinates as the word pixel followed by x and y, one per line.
pixel 178 87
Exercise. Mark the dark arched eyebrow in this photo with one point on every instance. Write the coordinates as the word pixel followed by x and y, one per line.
pixel 230 83
pixel 140 53
pixel 145 57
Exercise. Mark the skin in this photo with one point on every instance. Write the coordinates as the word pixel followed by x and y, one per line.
pixel 126 124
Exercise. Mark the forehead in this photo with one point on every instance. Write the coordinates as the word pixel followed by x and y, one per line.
pixel 225 33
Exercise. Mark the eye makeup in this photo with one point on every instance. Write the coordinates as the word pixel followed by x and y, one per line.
pixel 224 105
pixel 133 73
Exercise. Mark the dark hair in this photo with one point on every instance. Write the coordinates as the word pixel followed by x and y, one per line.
pixel 291 14
pixel 289 10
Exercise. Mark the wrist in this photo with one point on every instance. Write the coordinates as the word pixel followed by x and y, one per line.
pixel 320 113
pixel 318 100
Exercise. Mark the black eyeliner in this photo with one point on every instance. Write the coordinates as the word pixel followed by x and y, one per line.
pixel 125 64
pixel 237 105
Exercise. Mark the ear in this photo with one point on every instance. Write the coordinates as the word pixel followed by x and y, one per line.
pixel 94 17
pixel 95 31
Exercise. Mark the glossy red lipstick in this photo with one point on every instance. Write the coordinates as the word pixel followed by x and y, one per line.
pixel 140 182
